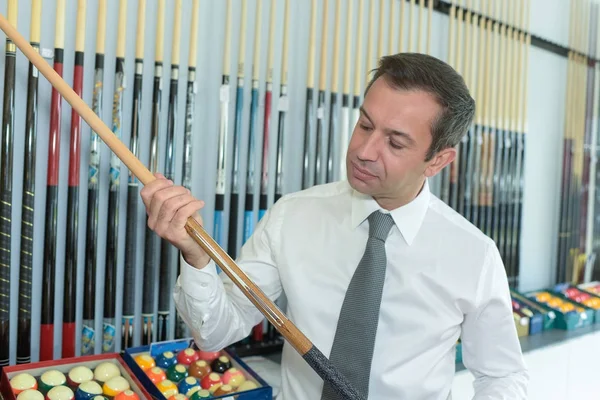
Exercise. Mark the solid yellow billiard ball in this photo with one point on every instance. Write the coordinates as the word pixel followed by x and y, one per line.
pixel 145 361
pixel 167 388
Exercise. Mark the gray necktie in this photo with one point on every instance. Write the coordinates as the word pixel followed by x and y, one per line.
pixel 352 349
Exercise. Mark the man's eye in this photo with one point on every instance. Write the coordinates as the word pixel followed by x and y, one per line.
pixel 396 145
pixel 365 127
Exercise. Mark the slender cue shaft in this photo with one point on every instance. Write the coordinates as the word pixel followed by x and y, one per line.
pixel 290 332
pixel 25 276
pixel 6 173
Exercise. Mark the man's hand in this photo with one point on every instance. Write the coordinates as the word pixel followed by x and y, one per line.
pixel 168 208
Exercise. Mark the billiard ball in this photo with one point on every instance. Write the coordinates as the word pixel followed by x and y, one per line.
pixel 156 375
pixel 100 397
pixel 166 359
pixel 543 297
pixel 200 394
pixel 233 377
pixel 221 364
pixel 211 380
pixel 60 393
pixel 178 396
pixel 177 372
pixel 114 386
pixel 248 385
pixel 188 384
pixel 127 395
pixel 78 375
pixel 50 379
pixel 223 389
pixel 167 388
pixel 30 394
pixel 209 355
pixel 88 390
pixel 144 361
pixel 21 382
pixel 200 369
pixel 106 371
pixel 187 356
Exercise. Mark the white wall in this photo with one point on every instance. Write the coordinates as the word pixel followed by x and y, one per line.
pixel 547 75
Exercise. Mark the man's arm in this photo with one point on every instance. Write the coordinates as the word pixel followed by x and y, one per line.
pixel 214 308
pixel 490 345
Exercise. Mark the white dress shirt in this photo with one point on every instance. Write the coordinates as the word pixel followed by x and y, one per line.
pixel 445 279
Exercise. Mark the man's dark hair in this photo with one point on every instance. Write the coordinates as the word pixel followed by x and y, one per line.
pixel 415 71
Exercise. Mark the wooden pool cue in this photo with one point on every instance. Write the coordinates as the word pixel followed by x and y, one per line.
pixel 288 330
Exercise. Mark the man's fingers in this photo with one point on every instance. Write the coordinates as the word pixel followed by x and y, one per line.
pixel 148 191
pixel 157 200
pixel 168 210
pixel 190 209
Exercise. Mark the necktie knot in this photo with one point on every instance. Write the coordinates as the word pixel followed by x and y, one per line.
pixel 380 225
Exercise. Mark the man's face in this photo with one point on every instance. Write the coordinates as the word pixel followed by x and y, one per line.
pixel 387 151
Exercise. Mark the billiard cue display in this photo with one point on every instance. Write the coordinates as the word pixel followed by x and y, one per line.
pixel 190 104
pixel 151 247
pixel 6 173
pixel 248 226
pixel 167 250
pixel 449 175
pixel 49 261
pixel 237 138
pixel 112 233
pixel 88 334
pixel 309 112
pixel 401 25
pixel 358 73
pixel 264 176
pixel 296 338
pixel 25 272
pixel 345 129
pixel 320 151
pixel 71 254
pixel 282 105
pixel 223 133
pixel 411 12
pixel 129 283
pixel 333 103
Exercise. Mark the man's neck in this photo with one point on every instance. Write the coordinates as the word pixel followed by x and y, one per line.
pixel 392 203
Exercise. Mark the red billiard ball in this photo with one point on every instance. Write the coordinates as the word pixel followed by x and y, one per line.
pixel 209 356
pixel 187 356
pixel 210 381
pixel 156 375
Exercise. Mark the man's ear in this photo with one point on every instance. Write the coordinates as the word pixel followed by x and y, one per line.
pixel 439 161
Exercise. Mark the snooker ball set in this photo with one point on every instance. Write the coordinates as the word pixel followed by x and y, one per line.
pixel 190 374
pixel 103 377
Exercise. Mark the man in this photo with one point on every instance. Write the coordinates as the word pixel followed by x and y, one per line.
pixel 442 278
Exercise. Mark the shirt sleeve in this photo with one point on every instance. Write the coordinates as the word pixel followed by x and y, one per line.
pixel 213 307
pixel 490 345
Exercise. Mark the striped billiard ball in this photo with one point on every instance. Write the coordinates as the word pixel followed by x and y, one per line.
pixel 21 382
pixel 187 356
pixel 199 369
pixel 88 390
pixel 127 395
pixel 167 388
pixel 221 364
pixel 114 386
pixel 30 394
pixel 211 381
pixel 50 379
pixel 144 361
pixel 106 371
pixel 166 359
pixel 200 394
pixel 188 384
pixel 248 385
pixel 156 375
pixel 177 372
pixel 233 377
pixel 78 375
pixel 178 396
pixel 60 393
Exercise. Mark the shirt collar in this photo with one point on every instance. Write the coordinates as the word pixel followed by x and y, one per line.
pixel 407 218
